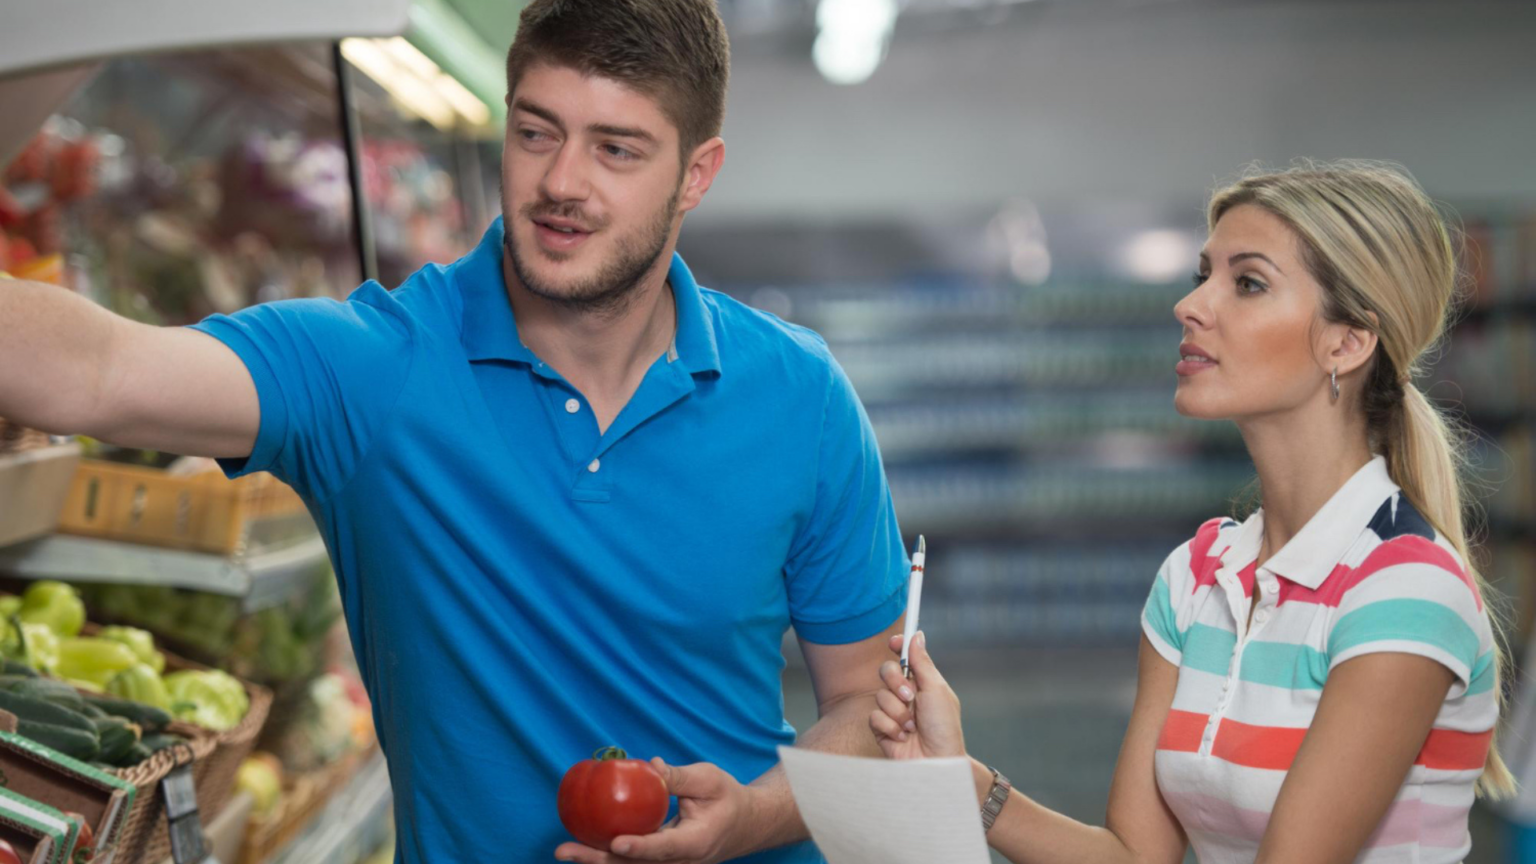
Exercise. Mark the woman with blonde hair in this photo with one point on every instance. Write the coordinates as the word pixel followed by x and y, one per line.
pixel 1319 682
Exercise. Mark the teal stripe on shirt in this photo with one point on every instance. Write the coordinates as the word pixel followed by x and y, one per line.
pixel 1160 615
pixel 1284 664
pixel 1482 675
pixel 1407 620
pixel 1209 649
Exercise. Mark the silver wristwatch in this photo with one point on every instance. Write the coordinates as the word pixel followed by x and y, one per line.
pixel 995 799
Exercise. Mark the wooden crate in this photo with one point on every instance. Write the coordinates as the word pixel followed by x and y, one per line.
pixel 205 512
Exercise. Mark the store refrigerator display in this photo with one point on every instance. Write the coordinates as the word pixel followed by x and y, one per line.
pixel 167 188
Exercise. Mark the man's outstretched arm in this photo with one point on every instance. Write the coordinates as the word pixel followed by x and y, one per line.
pixel 68 366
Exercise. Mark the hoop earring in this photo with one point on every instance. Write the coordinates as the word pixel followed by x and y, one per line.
pixel 1333 380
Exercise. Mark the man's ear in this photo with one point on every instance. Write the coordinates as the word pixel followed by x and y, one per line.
pixel 699 172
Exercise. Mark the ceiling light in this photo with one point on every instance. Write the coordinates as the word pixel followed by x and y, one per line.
pixel 852 38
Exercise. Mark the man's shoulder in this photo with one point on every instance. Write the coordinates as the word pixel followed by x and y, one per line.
pixel 750 335
pixel 431 293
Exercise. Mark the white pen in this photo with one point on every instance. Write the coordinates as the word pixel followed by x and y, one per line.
pixel 914 599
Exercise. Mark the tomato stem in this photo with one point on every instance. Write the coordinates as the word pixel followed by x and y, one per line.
pixel 606 754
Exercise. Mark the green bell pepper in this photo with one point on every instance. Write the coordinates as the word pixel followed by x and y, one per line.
pixel 213 699
pixel 39 647
pixel 54 604
pixel 141 641
pixel 140 683
pixel 95 660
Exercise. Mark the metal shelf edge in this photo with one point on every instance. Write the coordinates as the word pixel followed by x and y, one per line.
pixel 86 559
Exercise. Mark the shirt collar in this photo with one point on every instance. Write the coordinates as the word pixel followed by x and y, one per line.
pixel 1321 544
pixel 490 329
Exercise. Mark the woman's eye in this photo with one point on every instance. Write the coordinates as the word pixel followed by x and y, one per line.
pixel 1249 285
pixel 1199 278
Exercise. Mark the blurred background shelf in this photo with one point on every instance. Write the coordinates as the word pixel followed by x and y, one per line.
pixel 261 578
pixel 353 823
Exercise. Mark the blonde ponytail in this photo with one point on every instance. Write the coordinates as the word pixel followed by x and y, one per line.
pixel 1383 256
pixel 1424 457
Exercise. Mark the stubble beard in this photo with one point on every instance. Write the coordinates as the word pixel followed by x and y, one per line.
pixel 610 291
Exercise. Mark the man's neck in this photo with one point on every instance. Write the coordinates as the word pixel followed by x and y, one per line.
pixel 604 354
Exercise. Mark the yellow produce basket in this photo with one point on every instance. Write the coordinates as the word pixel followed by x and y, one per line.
pixel 205 512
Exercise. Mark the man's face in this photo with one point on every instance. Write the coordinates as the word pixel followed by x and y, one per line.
pixel 590 186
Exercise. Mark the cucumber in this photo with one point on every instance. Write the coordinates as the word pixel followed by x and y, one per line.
pixel 53 691
pixel 156 743
pixel 27 708
pixel 136 754
pixel 152 719
pixel 117 738
pixel 92 711
pixel 71 742
pixel 18 668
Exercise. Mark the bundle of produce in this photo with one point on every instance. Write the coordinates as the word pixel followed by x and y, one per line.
pixel 105 701
pixel 14 438
pixel 94 728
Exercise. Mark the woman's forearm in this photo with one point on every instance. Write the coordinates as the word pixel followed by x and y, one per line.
pixel 1029 833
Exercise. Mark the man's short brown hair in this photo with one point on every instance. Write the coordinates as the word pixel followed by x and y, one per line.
pixel 675 51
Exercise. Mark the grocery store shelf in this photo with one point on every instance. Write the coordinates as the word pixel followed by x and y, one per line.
pixel 224 832
pixel 912 430
pixel 33 486
pixel 55 34
pixel 1519 307
pixel 262 579
pixel 885 313
pixel 1504 528
pixel 352 824
pixel 1497 419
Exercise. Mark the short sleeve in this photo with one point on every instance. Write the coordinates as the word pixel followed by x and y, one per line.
pixel 327 373
pixel 1413 596
pixel 847 571
pixel 1171 590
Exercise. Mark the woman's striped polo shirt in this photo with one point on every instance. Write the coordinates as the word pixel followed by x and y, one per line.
pixel 1367 574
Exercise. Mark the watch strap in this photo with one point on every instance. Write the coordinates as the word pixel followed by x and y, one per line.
pixel 996 798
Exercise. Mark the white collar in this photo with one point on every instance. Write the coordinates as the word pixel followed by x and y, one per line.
pixel 1320 545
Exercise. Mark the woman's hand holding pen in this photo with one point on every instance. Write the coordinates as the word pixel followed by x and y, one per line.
pixel 917 718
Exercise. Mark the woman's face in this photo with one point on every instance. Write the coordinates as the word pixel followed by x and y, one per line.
pixel 1251 346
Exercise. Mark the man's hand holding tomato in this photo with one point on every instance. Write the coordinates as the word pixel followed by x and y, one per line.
pixel 721 819
pixel 714 822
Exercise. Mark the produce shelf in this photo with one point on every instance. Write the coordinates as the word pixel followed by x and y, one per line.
pixel 353 823
pixel 224 831
pixel 264 578
pixel 33 484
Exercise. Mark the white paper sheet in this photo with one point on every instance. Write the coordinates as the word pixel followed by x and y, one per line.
pixel 876 811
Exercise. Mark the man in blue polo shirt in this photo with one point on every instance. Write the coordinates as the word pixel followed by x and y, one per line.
pixel 572 499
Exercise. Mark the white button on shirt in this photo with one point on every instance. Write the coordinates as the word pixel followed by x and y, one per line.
pixel 596 464
pixel 572 406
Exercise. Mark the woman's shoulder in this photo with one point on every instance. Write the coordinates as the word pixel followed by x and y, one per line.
pixel 1402 554
pixel 1197 559
pixel 1214 537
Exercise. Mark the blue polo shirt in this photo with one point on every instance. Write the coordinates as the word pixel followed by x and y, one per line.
pixel 522 590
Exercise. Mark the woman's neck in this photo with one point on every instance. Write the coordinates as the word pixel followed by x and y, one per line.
pixel 1302 461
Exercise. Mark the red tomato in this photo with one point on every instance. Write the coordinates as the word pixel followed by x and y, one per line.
pixel 610 796
pixel 86 842
pixel 8 854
